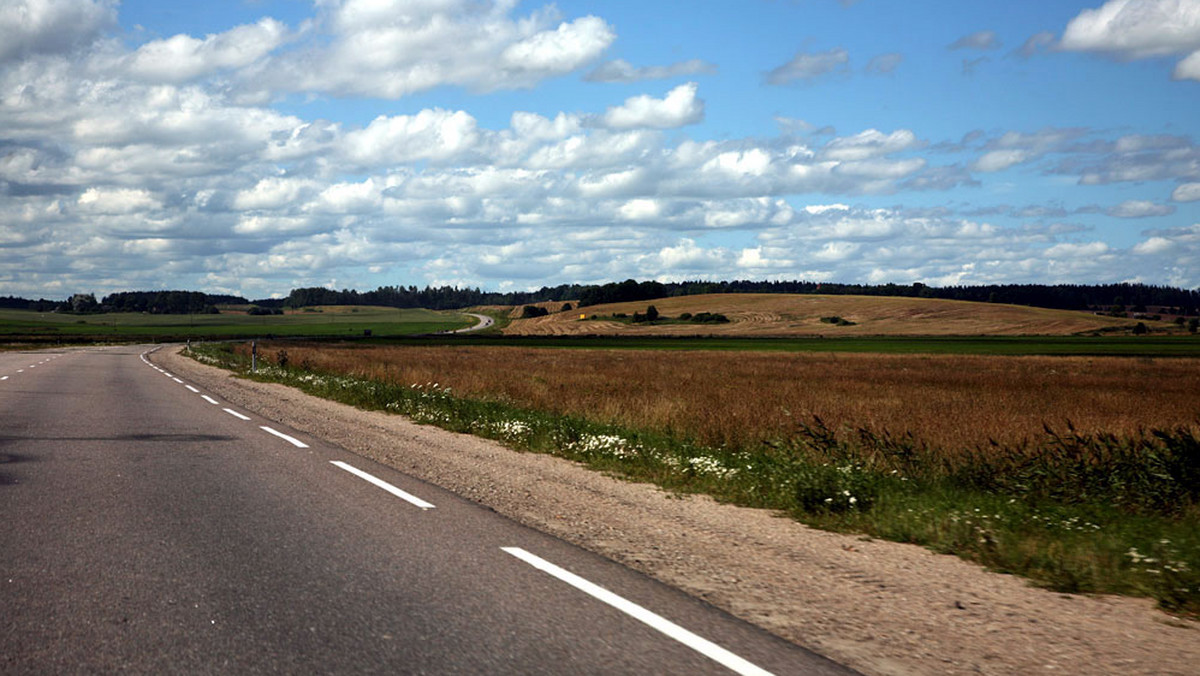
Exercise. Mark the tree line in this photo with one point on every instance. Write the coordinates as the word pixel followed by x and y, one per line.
pixel 1096 297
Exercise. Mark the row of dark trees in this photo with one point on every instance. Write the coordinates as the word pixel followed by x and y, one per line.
pixel 168 302
pixel 152 302
pixel 433 298
pixel 1119 297
pixel 1136 297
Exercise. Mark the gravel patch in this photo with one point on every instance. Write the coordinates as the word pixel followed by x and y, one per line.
pixel 879 607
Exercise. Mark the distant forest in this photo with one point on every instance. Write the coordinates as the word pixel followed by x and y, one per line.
pixel 1103 297
pixel 1108 297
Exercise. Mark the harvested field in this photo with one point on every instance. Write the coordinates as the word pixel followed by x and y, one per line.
pixel 744 398
pixel 800 315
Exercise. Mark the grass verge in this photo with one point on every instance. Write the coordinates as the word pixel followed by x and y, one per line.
pixel 1075 512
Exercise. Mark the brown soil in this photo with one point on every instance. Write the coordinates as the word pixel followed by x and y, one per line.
pixel 880 607
pixel 800 315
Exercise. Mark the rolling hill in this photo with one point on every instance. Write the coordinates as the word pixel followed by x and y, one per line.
pixel 801 315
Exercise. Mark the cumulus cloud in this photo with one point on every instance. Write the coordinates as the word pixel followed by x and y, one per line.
pixel 116 161
pixel 391 48
pixel 1138 29
pixel 1186 192
pixel 1140 209
pixel 807 67
pixel 1189 68
pixel 116 201
pixel 999 160
pixel 50 26
pixel 182 57
pixel 870 143
pixel 437 134
pixel 620 70
pixel 679 108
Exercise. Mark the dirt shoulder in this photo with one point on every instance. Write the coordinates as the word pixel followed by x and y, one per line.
pixel 880 607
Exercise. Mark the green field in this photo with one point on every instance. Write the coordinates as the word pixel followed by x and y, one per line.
pixel 23 326
pixel 416 326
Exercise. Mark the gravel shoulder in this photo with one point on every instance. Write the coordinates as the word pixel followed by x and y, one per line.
pixel 879 607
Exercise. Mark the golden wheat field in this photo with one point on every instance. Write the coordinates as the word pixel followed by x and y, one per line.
pixel 800 315
pixel 735 398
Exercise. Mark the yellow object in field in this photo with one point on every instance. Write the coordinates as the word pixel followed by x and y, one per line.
pixel 583 316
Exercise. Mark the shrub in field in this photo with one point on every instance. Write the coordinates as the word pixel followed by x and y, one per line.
pixel 530 311
pixel 837 321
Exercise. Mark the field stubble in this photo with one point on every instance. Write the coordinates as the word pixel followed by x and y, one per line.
pixel 743 399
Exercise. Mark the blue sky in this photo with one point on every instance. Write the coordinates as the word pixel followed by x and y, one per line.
pixel 251 147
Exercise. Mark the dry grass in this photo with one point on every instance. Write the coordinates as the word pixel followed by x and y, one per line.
pixel 800 315
pixel 744 398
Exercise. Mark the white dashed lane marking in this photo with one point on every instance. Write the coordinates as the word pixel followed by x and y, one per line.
pixel 701 645
pixel 407 497
pixel 291 440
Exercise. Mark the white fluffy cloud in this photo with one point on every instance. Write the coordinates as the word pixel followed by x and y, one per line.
pixel 165 165
pixel 438 135
pixel 680 107
pixel 999 160
pixel 1136 29
pixel 182 57
pixel 870 143
pixel 392 48
pixel 1187 192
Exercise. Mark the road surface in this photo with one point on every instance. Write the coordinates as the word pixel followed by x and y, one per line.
pixel 148 527
pixel 485 322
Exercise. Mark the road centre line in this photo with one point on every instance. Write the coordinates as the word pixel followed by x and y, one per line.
pixel 209 399
pixel 701 645
pixel 235 414
pixel 291 440
pixel 407 497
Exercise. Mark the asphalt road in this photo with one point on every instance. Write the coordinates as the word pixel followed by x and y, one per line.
pixel 147 527
pixel 485 322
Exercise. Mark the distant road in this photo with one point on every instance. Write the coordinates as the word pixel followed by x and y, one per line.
pixel 147 526
pixel 485 322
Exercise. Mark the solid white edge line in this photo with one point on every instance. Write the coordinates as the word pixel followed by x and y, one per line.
pixel 235 414
pixel 209 399
pixel 291 440
pixel 701 645
pixel 407 497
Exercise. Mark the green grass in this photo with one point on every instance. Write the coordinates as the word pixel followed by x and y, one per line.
pixel 333 323
pixel 1072 512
